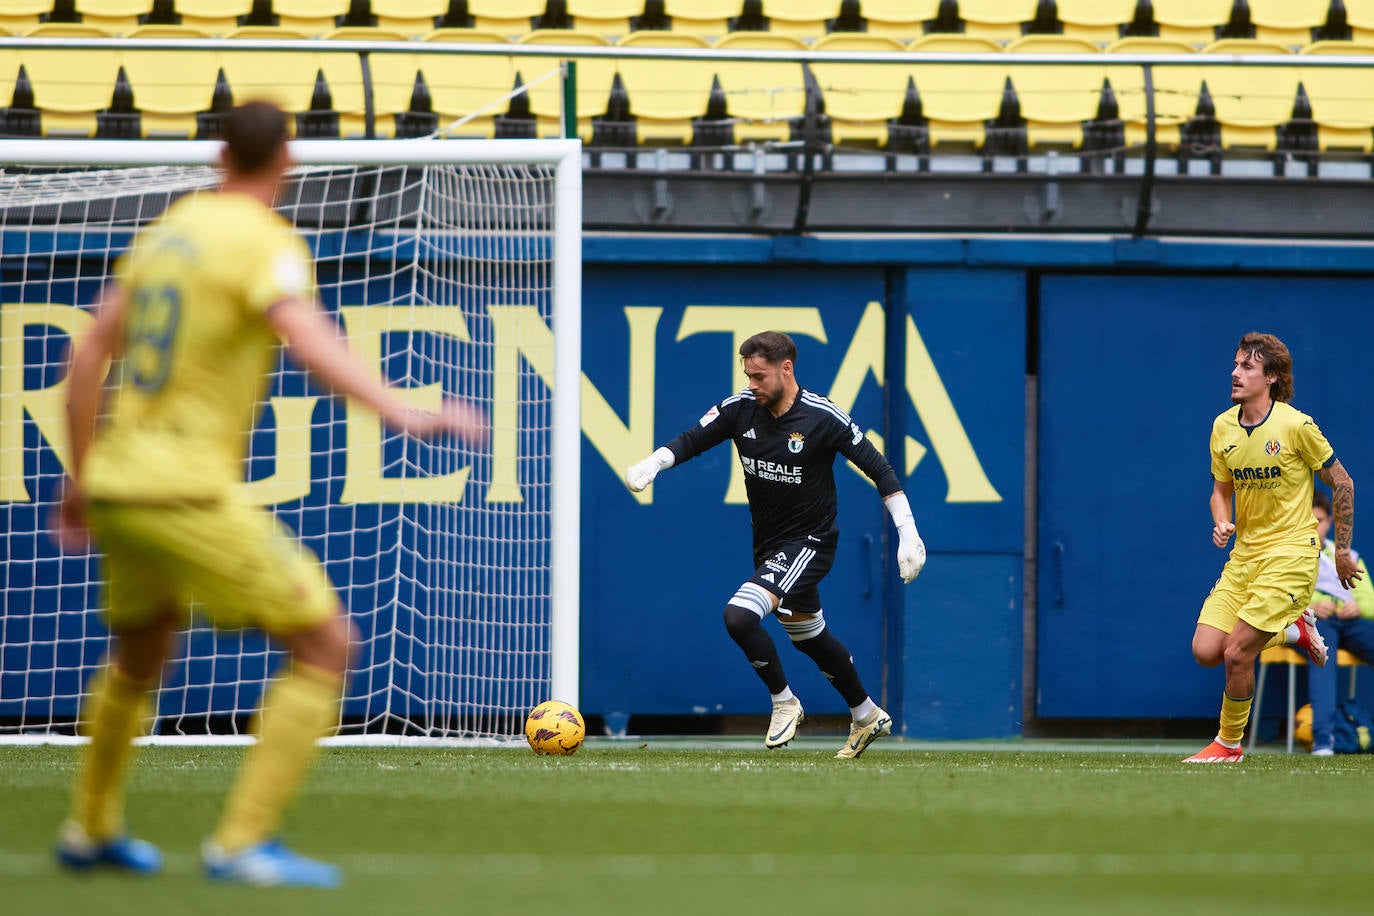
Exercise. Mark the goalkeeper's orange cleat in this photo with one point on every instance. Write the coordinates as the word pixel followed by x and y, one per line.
pixel 1309 640
pixel 1216 752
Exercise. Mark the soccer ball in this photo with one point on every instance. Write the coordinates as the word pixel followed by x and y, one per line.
pixel 555 728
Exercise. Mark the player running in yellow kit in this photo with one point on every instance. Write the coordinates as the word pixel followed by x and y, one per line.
pixel 1264 453
pixel 196 310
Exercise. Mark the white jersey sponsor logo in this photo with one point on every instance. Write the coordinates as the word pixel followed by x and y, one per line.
pixel 709 417
pixel 771 470
pixel 749 434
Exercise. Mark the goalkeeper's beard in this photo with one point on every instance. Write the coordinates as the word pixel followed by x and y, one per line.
pixel 767 399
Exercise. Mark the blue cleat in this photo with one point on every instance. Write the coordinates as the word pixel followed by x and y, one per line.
pixel 77 851
pixel 268 864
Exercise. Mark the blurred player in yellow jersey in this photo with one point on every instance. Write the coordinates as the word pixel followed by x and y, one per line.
pixel 195 312
pixel 1264 453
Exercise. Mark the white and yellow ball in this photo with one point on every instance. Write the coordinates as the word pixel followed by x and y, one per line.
pixel 555 728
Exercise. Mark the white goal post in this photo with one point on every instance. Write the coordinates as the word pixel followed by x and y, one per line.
pixel 454 266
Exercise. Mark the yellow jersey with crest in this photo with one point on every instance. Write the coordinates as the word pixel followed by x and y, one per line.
pixel 1271 467
pixel 197 348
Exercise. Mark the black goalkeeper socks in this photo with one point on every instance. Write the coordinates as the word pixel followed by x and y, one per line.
pixel 747 631
pixel 836 664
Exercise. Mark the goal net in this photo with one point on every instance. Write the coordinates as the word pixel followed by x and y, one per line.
pixel 453 267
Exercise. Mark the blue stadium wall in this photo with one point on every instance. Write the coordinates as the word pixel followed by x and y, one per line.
pixel 1074 378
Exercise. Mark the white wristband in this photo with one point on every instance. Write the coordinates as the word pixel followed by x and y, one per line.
pixel 665 457
pixel 900 510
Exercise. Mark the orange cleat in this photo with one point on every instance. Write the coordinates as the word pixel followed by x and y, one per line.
pixel 1216 752
pixel 1309 640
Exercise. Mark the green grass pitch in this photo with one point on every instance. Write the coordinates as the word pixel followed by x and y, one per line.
pixel 714 828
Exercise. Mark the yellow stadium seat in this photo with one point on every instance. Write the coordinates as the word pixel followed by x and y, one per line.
pixel 409 17
pixel 265 32
pixel 369 33
pixel 999 20
pixel 1342 98
pixel 1250 101
pixel 1175 95
pixel 69 86
pixel 607 18
pixel 9 75
pixel 1288 22
pixel 285 78
pixel 160 30
pixel 708 18
pixel 467 36
pixel 170 87
pixel 802 18
pixel 17 16
pixel 594 77
pixel 860 98
pixel 958 98
pixel 393 83
pixel 509 17
pixel 214 17
pixel 462 85
pixel 113 17
pixel 163 103
pixel 1097 21
pixel 1359 15
pixel 343 72
pixel 665 95
pixel 900 19
pixel 1056 99
pixel 763 95
pixel 1191 21
pixel 313 17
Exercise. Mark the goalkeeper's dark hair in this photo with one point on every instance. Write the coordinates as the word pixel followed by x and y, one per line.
pixel 253 133
pixel 1321 501
pixel 770 346
pixel 1275 359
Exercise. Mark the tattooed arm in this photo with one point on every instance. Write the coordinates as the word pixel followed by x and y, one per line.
pixel 1342 487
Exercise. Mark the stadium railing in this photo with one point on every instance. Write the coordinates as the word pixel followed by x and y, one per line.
pixel 1154 115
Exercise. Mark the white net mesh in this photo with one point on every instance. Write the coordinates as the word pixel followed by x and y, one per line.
pixel 441 276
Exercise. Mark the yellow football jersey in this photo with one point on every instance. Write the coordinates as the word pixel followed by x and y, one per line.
pixel 197 348
pixel 1271 466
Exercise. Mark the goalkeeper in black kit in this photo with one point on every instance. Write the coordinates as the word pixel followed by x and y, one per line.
pixel 787 439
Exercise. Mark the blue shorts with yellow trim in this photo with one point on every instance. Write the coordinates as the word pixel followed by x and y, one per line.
pixel 237 562
pixel 1268 593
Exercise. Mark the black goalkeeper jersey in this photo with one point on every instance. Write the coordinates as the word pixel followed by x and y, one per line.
pixel 788 462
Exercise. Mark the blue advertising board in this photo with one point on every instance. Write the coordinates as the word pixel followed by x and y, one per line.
pixel 1083 376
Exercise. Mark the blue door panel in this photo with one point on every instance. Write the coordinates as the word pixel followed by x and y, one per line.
pixel 1132 371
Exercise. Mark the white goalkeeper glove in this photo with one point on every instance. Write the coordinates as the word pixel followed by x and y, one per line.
pixel 911 550
pixel 642 473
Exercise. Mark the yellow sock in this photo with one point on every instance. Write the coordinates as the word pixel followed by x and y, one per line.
pixel 1234 714
pixel 114 714
pixel 298 710
pixel 1278 639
